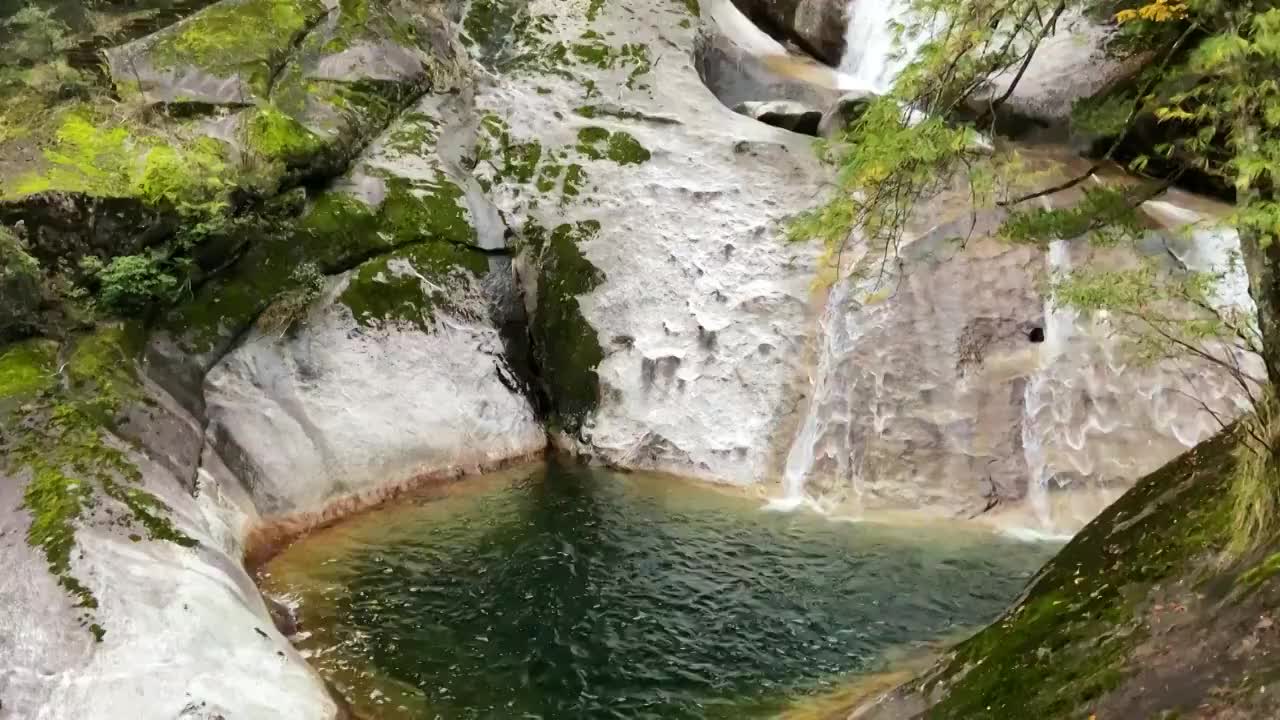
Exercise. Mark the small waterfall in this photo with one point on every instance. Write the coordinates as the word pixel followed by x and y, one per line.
pixel 874 54
pixel 837 338
pixel 1059 327
pixel 1093 421
pixel 937 396
pixel 831 435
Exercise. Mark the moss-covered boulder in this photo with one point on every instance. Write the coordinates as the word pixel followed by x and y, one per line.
pixel 226 54
pixel 371 211
pixel 115 567
pixel 247 98
pixel 1140 616
pixel 394 371
pixel 20 292
pixel 103 186
pixel 348 79
pixel 320 81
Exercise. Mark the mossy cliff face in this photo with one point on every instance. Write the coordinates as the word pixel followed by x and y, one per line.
pixel 260 96
pixel 115 566
pixel 565 345
pixel 57 433
pixel 1141 615
pixel 669 292
pixel 244 39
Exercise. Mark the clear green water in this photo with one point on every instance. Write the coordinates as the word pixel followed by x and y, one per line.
pixel 565 592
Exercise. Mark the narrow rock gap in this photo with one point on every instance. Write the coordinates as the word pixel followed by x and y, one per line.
pixel 293 48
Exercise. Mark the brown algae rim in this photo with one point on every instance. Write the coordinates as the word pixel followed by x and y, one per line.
pixel 270 537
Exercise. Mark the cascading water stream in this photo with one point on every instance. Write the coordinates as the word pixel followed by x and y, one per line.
pixel 836 340
pixel 872 60
pixel 890 409
pixel 1088 420
pixel 1059 327
pixel 1091 415
pixel 874 52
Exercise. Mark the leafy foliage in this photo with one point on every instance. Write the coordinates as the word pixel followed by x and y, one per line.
pixel 132 283
pixel 35 34
pixel 1157 11
pixel 1255 490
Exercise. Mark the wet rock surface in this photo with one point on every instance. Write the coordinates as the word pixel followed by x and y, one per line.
pixel 793 116
pixel 488 224
pixel 817 26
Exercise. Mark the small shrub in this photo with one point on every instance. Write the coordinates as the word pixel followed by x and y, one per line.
pixel 283 315
pixel 131 284
pixel 34 34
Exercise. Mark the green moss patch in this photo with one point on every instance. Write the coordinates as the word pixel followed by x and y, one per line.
pixel 338 233
pixel 595 52
pixel 248 39
pixel 620 147
pixel 27 368
pixel 93 155
pixel 550 169
pixel 490 23
pixel 61 439
pixel 317 126
pixel 592 112
pixel 511 160
pixel 1260 573
pixel 273 135
pixel 539 53
pixel 565 345
pixel 415 134
pixel 408 286
pixel 365 20
pixel 1070 640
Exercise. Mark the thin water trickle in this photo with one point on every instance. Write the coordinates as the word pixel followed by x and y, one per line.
pixel 835 341
pixel 566 592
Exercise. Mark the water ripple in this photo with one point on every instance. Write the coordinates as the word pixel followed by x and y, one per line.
pixel 574 593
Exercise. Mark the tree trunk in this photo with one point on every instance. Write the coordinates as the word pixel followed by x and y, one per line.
pixel 1263 266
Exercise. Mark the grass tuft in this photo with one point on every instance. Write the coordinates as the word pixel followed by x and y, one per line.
pixel 1255 485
